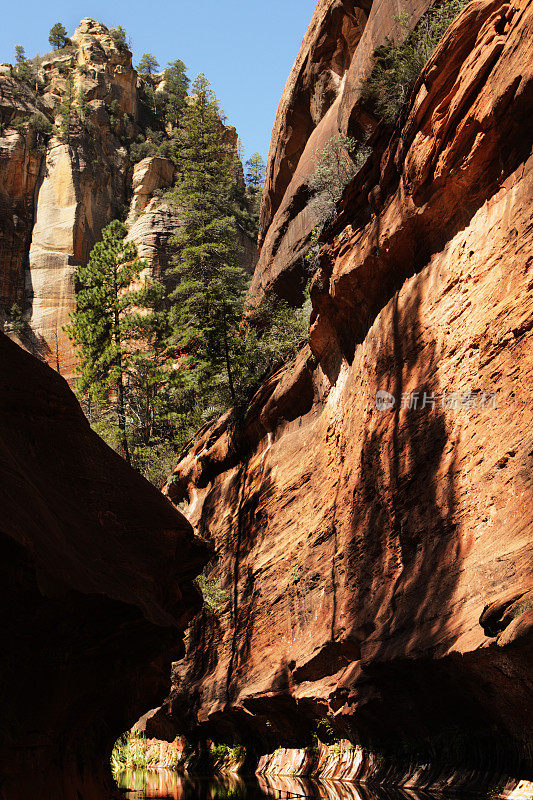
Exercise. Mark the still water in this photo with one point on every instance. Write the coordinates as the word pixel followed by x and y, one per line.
pixel 161 783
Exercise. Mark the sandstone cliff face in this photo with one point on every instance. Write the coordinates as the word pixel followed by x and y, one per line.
pixel 55 198
pixel 95 597
pixel 321 100
pixel 377 558
pixel 19 171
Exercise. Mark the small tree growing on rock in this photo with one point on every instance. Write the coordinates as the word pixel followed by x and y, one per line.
pixel 148 64
pixel 58 36
pixel 336 164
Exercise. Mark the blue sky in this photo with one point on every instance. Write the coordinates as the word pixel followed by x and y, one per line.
pixel 245 47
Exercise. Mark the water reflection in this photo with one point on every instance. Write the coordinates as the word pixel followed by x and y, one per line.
pixel 167 784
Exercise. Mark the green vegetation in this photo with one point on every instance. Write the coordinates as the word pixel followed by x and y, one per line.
pixel 336 164
pixel 255 172
pixel 213 595
pixel 24 69
pixel 148 64
pixel 225 752
pixel 386 91
pixel 134 751
pixel 118 35
pixel 176 87
pixel 206 307
pixel 67 110
pixel 112 320
pixel 157 362
pixel 16 321
pixel 58 36
pixel 255 178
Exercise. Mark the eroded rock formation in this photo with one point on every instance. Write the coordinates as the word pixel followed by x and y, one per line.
pixel 97 571
pixel 321 100
pixel 372 523
pixel 57 193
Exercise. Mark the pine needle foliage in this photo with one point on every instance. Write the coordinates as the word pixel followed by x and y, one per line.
pixel 111 319
pixel 207 302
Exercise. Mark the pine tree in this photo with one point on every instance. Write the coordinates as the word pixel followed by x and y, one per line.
pixel 23 68
pixel 255 172
pixel 176 85
pixel 148 64
pixel 207 303
pixel 112 320
pixel 67 111
pixel 58 36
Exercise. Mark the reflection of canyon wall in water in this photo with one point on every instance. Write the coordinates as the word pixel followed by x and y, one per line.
pixel 377 564
pixel 163 783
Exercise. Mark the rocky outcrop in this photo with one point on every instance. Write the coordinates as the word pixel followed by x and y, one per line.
pixel 321 100
pixel 77 197
pixel 20 162
pixel 95 597
pixel 57 192
pixel 372 523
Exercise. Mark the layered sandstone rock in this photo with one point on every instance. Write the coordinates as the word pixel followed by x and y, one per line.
pixel 79 194
pixel 20 161
pixel 372 524
pixel 95 597
pixel 321 100
pixel 57 195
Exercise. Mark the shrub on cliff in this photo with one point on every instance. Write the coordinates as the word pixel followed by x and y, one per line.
pixel 335 165
pixel 118 35
pixel 396 67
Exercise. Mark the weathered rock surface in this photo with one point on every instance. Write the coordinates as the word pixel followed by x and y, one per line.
pixel 77 197
pixel 20 163
pixel 377 560
pixel 320 100
pixel 97 571
pixel 56 196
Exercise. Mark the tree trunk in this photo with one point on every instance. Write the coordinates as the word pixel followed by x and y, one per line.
pixel 121 414
pixel 226 348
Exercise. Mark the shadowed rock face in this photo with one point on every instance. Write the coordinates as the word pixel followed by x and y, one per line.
pixel 377 561
pixel 97 571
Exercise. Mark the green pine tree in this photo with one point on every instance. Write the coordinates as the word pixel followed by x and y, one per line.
pixel 207 303
pixel 58 36
pixel 148 64
pixel 255 172
pixel 176 85
pixel 113 320
pixel 67 110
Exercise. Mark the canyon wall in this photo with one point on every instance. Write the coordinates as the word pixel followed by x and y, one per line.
pixel 57 193
pixel 321 100
pixel 97 577
pixel 371 523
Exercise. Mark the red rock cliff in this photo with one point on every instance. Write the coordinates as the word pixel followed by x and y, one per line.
pixel 97 571
pixel 377 561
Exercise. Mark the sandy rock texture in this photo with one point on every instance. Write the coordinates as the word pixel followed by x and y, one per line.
pixel 320 100
pixel 372 524
pixel 95 597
